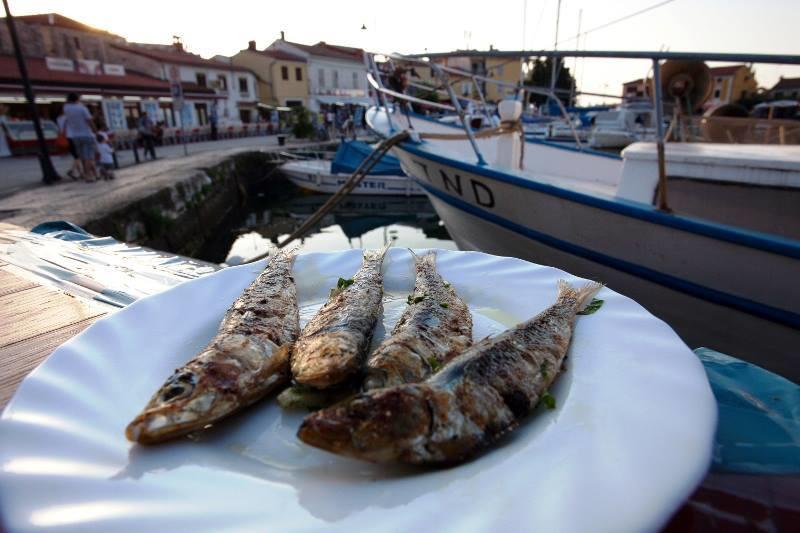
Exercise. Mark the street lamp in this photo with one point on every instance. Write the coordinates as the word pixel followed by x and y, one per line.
pixel 49 174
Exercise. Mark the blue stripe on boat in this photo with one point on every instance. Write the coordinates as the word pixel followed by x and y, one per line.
pixel 752 239
pixel 688 287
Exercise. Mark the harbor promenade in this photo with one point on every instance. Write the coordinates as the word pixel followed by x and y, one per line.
pixel 79 202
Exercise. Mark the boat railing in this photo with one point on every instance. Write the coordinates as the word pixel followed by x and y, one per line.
pixel 656 57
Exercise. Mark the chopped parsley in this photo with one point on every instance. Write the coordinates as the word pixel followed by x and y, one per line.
pixel 549 400
pixel 543 369
pixel 434 364
pixel 414 299
pixel 341 285
pixel 593 306
pixel 446 285
pixel 444 305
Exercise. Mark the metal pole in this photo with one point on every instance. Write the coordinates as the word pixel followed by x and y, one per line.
pixel 482 99
pixel 662 172
pixel 49 174
pixel 460 111
pixel 381 96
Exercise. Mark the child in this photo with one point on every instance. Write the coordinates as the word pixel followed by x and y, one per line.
pixel 106 158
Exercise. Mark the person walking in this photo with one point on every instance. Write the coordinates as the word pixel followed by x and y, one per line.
pixel 75 171
pixel 147 134
pixel 79 127
pixel 213 119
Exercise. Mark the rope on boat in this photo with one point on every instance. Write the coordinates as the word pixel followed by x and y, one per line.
pixel 352 182
pixel 506 127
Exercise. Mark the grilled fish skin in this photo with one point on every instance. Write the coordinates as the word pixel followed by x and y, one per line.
pixel 247 360
pixel 435 327
pixel 332 347
pixel 476 398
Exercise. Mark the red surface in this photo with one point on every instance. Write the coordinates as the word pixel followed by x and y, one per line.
pixel 178 57
pixel 740 502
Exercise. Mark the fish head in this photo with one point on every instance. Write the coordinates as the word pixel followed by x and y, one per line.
pixel 381 426
pixel 187 401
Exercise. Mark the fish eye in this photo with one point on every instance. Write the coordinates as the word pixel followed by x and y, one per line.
pixel 178 386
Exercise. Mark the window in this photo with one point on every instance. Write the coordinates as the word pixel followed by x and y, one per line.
pixel 77 43
pixel 298 74
pixel 201 79
pixel 500 71
pixel 284 73
pixel 465 88
pixel 243 89
pixel 223 82
pixel 336 78
pixel 321 76
pixel 355 80
pixel 716 93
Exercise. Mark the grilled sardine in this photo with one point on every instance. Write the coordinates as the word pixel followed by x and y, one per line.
pixel 467 405
pixel 332 347
pixel 435 327
pixel 245 361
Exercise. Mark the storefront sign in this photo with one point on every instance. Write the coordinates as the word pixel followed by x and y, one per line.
pixel 89 66
pixel 114 112
pixel 113 70
pixel 59 63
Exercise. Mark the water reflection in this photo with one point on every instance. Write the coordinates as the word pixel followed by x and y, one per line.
pixel 358 222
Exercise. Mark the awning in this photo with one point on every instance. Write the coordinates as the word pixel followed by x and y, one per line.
pixel 344 100
pixel 276 108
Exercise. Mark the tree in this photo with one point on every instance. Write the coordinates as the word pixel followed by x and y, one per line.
pixel 540 76
pixel 301 122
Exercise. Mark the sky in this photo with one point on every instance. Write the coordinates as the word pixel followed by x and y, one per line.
pixel 210 27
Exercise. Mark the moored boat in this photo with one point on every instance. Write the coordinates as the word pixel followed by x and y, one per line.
pixel 721 283
pixel 320 175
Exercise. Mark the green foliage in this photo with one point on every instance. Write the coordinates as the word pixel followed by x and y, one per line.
pixel 541 76
pixel 300 121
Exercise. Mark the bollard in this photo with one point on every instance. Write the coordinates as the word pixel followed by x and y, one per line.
pixel 135 152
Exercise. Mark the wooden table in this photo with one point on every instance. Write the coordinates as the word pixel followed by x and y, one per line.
pixel 35 320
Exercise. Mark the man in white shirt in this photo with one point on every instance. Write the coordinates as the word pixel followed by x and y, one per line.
pixel 80 128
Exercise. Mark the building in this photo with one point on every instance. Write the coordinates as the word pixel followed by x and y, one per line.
pixel 731 84
pixel 113 94
pixel 119 80
pixel 634 89
pixel 500 68
pixel 53 35
pixel 785 89
pixel 336 74
pixel 282 77
pixel 63 55
pixel 234 88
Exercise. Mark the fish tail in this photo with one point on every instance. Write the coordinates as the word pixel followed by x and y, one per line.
pixel 377 255
pixel 583 294
pixel 428 259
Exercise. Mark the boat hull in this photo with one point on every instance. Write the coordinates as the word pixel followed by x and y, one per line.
pixel 317 180
pixel 714 291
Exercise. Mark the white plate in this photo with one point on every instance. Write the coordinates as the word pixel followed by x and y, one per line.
pixel 629 440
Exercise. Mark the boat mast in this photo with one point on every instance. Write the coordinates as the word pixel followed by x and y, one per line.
pixel 555 47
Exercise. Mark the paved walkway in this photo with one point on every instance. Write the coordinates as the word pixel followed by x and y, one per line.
pixel 80 202
pixel 20 173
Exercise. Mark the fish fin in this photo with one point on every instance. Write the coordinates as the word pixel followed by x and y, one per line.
pixel 583 294
pixel 429 257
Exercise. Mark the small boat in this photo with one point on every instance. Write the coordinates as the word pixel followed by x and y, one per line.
pixel 617 128
pixel 319 175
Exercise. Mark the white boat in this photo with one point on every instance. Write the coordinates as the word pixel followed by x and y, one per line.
pixel 327 176
pixel 617 128
pixel 592 214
